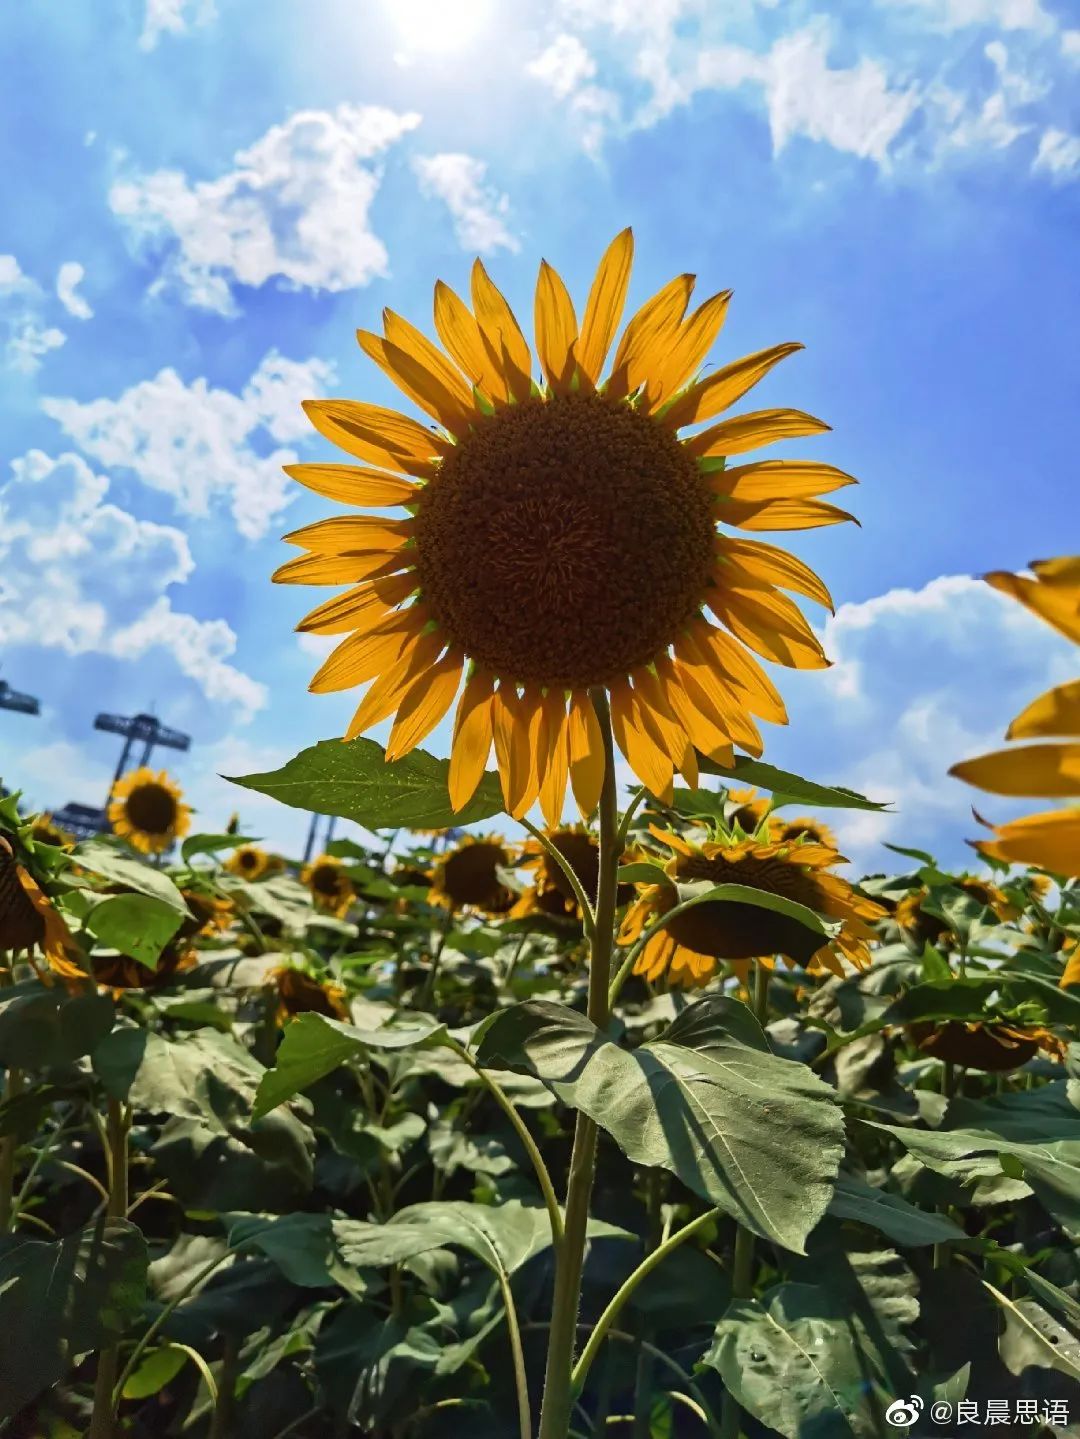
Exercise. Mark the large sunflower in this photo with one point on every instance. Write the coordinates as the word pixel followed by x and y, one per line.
pixel 467 876
pixel 147 810
pixel 29 919
pixel 332 890
pixel 562 537
pixel 1050 839
pixel 689 949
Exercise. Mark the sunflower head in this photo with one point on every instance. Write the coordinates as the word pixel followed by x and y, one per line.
pixel 467 877
pixel 331 888
pixel 791 831
pixel 44 830
pixel 925 928
pixel 118 971
pixel 561 534
pixel 250 862
pixel 993 1047
pixel 148 811
pixel 746 809
pixel 299 993
pixel 691 947
pixel 29 920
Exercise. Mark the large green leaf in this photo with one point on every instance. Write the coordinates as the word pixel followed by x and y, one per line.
pixel 138 925
pixel 759 1136
pixel 785 786
pixel 314 1045
pixel 903 1222
pixel 59 1301
pixel 303 1246
pixel 211 844
pixel 351 778
pixel 1034 1337
pixel 103 857
pixel 42 1027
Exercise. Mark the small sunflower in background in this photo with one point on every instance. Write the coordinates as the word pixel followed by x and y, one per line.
pixel 147 810
pixel 250 862
pixel 551 892
pixel 689 950
pixel 331 889
pixel 802 827
pixel 208 915
pixel 45 830
pixel 467 876
pixel 746 809
pixel 1051 838
pixel 925 928
pixel 29 920
pixel 563 538
pixel 300 993
pixel 992 1046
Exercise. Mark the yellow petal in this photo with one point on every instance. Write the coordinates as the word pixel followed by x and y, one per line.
pixel 1050 840
pixel 556 328
pixel 717 391
pixel 417 381
pixel 1042 770
pixel 779 480
pixel 362 656
pixel 700 725
pixel 414 342
pixel 383 437
pixel 353 534
pixel 781 514
pixel 648 331
pixel 1071 973
pixel 338 569
pixel 586 752
pixel 359 608
pixel 386 693
pixel 737 668
pixel 1055 712
pixel 456 327
pixel 556 766
pixel 769 623
pixel 664 721
pixel 472 738
pixel 638 744
pixel 424 704
pixel 501 333
pixel 747 432
pixel 755 561
pixel 604 308
pixel 690 345
pixel 512 746
pixel 1054 596
pixel 354 485
pixel 704 692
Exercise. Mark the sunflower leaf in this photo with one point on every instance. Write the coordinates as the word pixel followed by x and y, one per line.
pixel 137 925
pixel 787 788
pixel 351 779
pixel 105 859
pixel 702 892
pixel 210 844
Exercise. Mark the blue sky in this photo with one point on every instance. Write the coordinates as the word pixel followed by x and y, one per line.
pixel 204 202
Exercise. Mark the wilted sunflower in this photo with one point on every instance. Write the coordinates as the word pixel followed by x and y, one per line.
pixel 44 830
pixel 29 920
pixel 147 810
pixel 331 888
pixel 994 1047
pixel 690 948
pixel 563 536
pixel 1050 839
pixel 300 993
pixel 251 862
pixel 466 877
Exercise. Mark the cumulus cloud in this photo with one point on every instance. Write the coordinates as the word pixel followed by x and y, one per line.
pixel 173 17
pixel 958 14
pixel 564 66
pixel 1058 154
pixel 478 211
pixel 68 279
pixel 294 208
pixel 26 337
pixel 81 575
pixel 201 445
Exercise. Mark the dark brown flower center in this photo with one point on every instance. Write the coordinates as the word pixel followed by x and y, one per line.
pixel 583 856
pixel 326 879
pixel 21 927
pixel 745 931
pixel 248 859
pixel 469 876
pixel 565 541
pixel 151 808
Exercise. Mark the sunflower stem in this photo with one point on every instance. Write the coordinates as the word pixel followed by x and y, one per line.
pixel 570 1255
pixel 9 1147
pixel 588 919
pixel 117 1124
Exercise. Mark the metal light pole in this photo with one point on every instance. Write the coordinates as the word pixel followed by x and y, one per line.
pixel 144 727
pixel 309 848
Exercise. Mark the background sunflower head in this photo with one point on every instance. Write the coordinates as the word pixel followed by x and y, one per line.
pixel 300 993
pixel 251 862
pixel 29 920
pixel 467 876
pixel 331 888
pixel 147 810
pixel 45 830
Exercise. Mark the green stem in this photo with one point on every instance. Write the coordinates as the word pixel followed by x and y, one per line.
pixel 117 1123
pixel 643 1370
pixel 631 810
pixel 9 1147
pixel 626 1289
pixel 547 1189
pixel 588 919
pixel 521 1380
pixel 221 1426
pixel 570 1255
pixel 627 966
pixel 761 993
pixel 427 994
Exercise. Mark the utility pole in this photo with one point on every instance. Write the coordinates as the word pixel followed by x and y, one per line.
pixel 135 728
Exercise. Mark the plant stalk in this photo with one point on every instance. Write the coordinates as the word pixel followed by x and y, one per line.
pixel 570 1255
pixel 9 1147
pixel 117 1123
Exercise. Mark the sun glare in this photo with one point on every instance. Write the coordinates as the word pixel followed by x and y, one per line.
pixel 439 24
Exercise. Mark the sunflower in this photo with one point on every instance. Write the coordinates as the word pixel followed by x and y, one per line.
pixel 561 538
pixel 466 877
pixel 1050 839
pixel 926 928
pixel 251 862
pixel 996 1047
pixel 750 809
pixel 44 830
pixel 207 915
pixel 331 888
pixel 29 919
pixel 690 948
pixel 146 809
pixel 790 831
pixel 299 993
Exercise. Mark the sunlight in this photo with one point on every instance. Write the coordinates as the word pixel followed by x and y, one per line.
pixel 439 24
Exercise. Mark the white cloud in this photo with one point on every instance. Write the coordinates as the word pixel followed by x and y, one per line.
pixel 295 207
pixel 1058 154
pixel 478 211
pixel 957 14
pixel 68 279
pixel 82 575
pixel 195 443
pixel 1070 44
pixel 172 17
pixel 564 66
pixel 45 768
pixel 25 335
pixel 922 678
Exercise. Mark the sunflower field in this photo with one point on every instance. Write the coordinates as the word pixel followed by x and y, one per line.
pixel 566 1106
